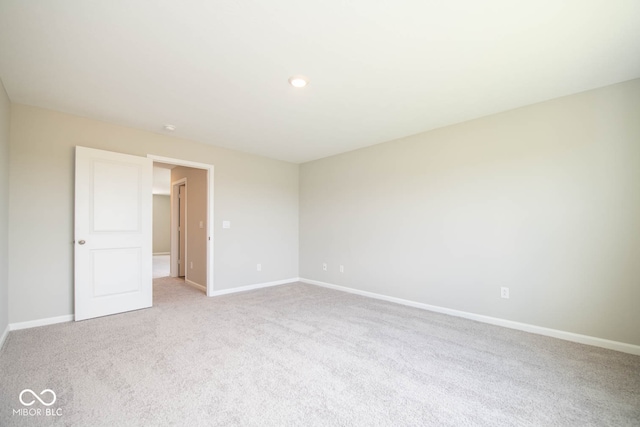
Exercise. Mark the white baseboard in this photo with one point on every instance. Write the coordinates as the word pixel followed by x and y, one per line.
pixel 196 285
pixel 555 333
pixel 252 287
pixel 70 317
pixel 4 336
pixel 40 322
pixel 162 253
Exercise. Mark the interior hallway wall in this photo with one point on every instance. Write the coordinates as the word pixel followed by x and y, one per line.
pixel 196 269
pixel 543 199
pixel 161 224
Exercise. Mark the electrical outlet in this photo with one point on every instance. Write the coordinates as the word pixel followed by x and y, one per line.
pixel 342 269
pixel 259 267
pixel 324 266
pixel 504 293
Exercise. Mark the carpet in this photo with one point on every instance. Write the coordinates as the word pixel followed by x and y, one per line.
pixel 301 355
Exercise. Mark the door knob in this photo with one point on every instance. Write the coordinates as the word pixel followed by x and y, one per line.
pixel 81 242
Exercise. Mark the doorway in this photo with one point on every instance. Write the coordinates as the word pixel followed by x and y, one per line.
pixel 191 236
pixel 113 195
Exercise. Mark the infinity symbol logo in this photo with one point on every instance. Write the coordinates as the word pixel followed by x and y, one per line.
pixel 26 390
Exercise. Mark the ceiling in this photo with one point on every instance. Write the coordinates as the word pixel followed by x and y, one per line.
pixel 379 70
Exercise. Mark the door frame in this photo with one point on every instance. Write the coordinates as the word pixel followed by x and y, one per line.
pixel 210 170
pixel 175 223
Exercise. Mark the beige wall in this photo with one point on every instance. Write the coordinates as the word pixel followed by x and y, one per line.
pixel 196 212
pixel 544 200
pixel 258 195
pixel 161 224
pixel 5 119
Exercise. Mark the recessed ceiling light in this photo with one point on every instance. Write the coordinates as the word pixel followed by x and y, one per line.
pixel 298 81
pixel 169 128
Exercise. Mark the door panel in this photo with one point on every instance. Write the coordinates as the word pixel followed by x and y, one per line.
pixel 108 280
pixel 113 220
pixel 121 213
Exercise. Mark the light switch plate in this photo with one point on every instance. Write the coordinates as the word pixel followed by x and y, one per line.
pixel 226 224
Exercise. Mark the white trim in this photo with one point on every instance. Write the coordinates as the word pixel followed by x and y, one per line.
pixel 256 286
pixel 210 208
pixel 174 267
pixel 41 322
pixel 161 253
pixel 4 336
pixel 555 333
pixel 195 285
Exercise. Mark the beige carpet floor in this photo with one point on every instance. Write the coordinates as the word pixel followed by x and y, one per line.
pixel 300 355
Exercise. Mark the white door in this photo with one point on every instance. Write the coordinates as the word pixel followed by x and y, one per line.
pixel 113 233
